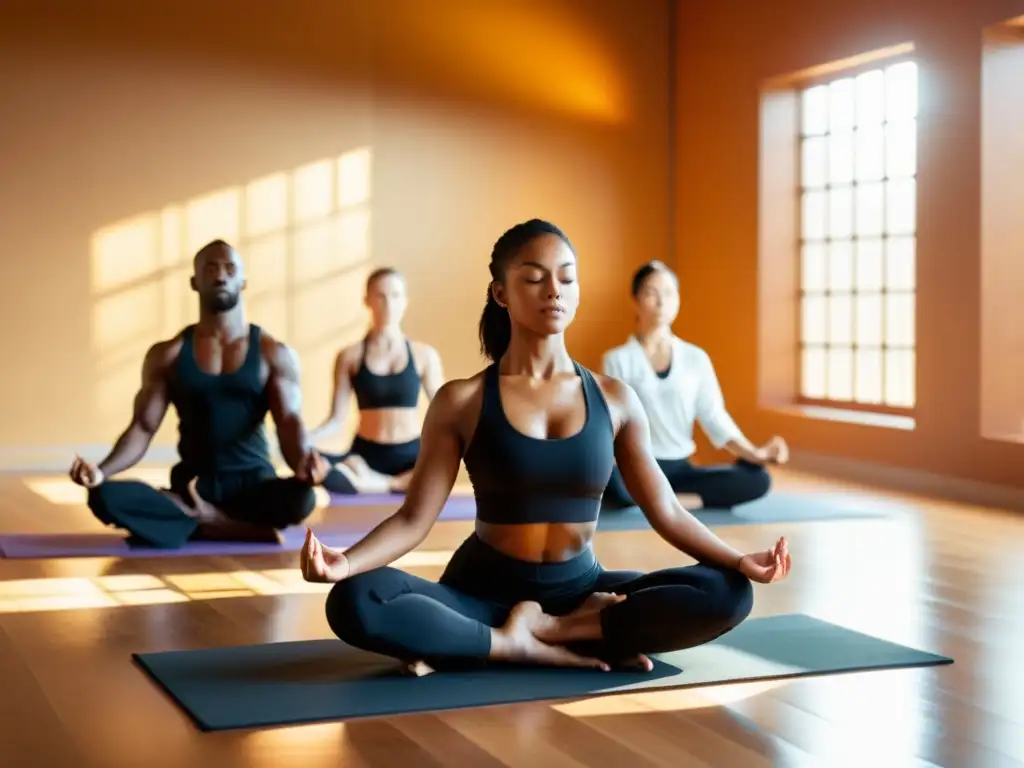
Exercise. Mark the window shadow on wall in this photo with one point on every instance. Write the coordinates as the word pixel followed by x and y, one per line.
pixel 304 237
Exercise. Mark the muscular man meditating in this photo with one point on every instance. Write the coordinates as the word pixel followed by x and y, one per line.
pixel 222 375
pixel 539 434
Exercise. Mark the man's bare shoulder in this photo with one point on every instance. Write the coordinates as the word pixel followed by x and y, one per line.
pixel 162 355
pixel 280 357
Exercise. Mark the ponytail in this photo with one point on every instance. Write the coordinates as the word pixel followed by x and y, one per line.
pixel 495 328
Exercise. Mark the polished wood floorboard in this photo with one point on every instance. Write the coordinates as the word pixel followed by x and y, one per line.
pixel 940 576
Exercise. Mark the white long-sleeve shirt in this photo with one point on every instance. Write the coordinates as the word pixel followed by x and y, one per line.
pixel 689 393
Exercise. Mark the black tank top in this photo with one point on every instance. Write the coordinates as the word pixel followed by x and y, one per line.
pixel 392 390
pixel 221 416
pixel 521 479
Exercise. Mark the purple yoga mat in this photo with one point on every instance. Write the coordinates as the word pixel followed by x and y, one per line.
pixel 386 499
pixel 336 533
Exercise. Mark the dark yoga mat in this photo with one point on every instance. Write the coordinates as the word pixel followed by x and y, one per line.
pixel 773 508
pixel 336 533
pixel 314 681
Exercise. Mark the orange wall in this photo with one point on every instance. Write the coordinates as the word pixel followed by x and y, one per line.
pixel 122 120
pixel 725 53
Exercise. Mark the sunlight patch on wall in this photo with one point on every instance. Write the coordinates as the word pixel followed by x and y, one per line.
pixel 354 178
pixel 304 238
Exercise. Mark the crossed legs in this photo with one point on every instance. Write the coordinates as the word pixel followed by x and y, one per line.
pixel 623 615
pixel 720 486
pixel 247 510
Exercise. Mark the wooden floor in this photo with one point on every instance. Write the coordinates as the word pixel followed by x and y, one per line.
pixel 942 577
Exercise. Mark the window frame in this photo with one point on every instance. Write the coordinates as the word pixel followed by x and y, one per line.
pixel 826 77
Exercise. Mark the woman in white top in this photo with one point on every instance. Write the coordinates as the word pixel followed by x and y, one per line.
pixel 677 385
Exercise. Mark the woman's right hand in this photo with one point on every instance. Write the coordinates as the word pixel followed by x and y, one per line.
pixel 321 564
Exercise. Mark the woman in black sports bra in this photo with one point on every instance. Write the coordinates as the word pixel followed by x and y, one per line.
pixel 539 435
pixel 386 372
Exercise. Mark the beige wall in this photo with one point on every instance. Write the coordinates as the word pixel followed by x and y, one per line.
pixel 726 52
pixel 133 132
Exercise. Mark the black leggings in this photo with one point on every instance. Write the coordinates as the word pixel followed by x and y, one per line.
pixel 391 459
pixel 721 486
pixel 447 623
pixel 151 519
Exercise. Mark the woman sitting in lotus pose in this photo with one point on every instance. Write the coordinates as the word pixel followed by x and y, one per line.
pixel 386 372
pixel 539 435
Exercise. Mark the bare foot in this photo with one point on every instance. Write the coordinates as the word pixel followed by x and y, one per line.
pixel 363 479
pixel 517 641
pixel 584 623
pixel 598 601
pixel 203 511
pixel 640 661
pixel 180 504
pixel 418 669
pixel 214 525
pixel 400 483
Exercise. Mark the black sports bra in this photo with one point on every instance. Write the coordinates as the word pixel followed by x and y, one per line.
pixel 521 479
pixel 391 390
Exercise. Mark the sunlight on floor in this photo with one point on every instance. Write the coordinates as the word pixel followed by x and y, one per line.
pixel 299 737
pixel 58 489
pixel 667 701
pixel 78 593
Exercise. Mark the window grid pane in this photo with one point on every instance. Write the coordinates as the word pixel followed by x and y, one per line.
pixel 858 225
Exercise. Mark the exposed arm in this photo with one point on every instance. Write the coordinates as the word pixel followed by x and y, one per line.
pixel 148 413
pixel 716 422
pixel 339 400
pixel 433 372
pixel 647 484
pixel 431 484
pixel 286 405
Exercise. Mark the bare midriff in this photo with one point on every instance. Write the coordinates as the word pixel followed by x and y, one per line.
pixel 538 542
pixel 390 426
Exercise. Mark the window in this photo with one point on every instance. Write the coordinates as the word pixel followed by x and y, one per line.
pixel 857 233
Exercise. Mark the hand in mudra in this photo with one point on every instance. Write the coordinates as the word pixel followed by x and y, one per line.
pixel 777 450
pixel 321 564
pixel 313 469
pixel 768 566
pixel 85 473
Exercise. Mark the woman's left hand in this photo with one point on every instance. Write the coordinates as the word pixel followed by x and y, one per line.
pixel 775 451
pixel 768 566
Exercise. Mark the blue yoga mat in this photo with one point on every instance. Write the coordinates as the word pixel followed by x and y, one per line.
pixel 320 680
pixel 773 508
